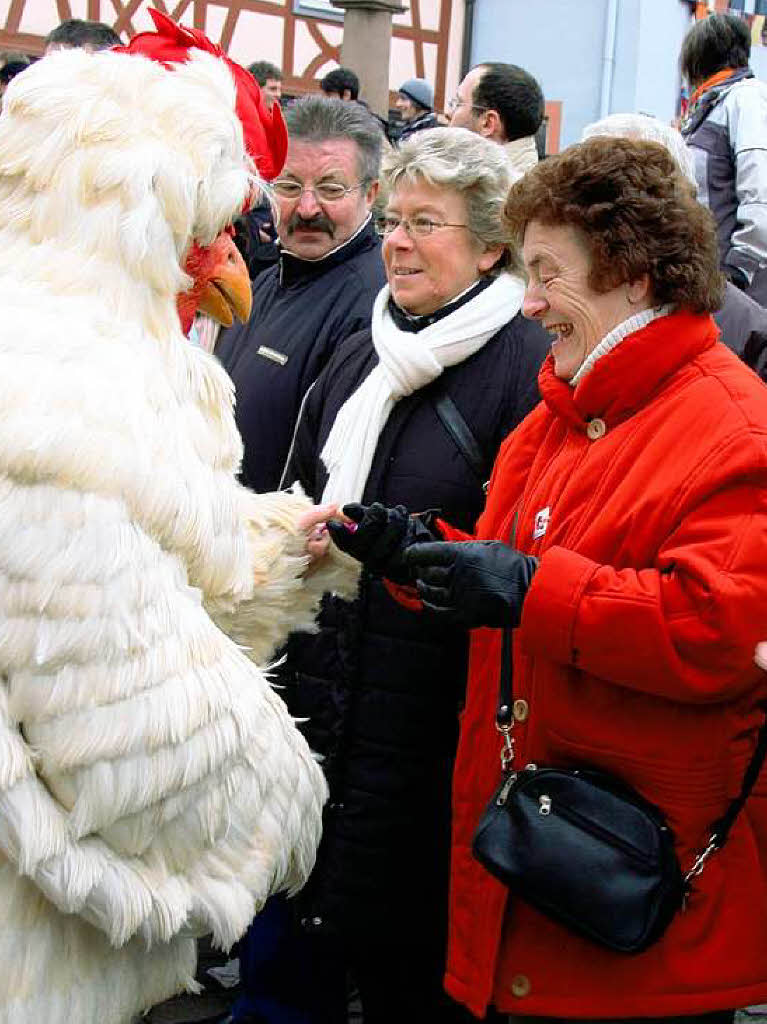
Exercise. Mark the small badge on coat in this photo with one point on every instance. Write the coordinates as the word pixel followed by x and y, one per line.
pixel 273 354
pixel 541 524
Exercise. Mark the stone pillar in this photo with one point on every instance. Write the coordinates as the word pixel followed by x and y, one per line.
pixel 367 46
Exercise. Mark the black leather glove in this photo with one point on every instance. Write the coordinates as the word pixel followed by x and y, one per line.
pixel 381 537
pixel 472 583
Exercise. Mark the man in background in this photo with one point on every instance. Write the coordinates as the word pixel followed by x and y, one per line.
pixel 341 82
pixel 256 233
pixel 415 103
pixel 269 77
pixel 75 34
pixel 504 103
pixel 345 85
pixel 322 291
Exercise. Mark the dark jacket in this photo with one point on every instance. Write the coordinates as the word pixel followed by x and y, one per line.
pixel 727 131
pixel 743 323
pixel 381 686
pixel 301 311
pixel 418 124
pixel 258 254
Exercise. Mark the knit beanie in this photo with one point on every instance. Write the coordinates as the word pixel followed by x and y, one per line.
pixel 418 90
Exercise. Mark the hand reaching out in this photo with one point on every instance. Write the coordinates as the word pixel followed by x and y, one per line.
pixel 314 524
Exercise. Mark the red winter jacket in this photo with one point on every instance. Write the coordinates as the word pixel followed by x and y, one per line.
pixel 643 491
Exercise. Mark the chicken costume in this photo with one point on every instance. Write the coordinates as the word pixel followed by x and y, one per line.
pixel 152 786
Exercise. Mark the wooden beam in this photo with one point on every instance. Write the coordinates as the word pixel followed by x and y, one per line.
pixel 440 83
pixel 14 15
pixel 230 23
pixel 124 15
pixel 288 46
pixel 22 42
pixel 415 18
pixel 428 35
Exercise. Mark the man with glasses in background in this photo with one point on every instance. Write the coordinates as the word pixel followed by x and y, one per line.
pixel 503 103
pixel 321 291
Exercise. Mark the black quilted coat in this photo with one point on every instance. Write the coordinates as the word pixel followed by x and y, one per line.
pixel 381 687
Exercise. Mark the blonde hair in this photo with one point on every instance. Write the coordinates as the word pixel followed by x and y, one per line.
pixel 457 159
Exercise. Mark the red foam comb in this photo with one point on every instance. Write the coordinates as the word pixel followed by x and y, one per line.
pixel 266 138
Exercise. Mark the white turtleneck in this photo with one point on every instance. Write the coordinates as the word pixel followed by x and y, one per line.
pixel 616 336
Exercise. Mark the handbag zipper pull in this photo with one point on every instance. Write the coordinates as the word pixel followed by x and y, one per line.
pixel 544 805
pixel 504 791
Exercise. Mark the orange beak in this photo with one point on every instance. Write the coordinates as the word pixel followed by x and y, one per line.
pixel 227 293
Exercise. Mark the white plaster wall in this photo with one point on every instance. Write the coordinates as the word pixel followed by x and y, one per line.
pixel 661 31
pixel 558 41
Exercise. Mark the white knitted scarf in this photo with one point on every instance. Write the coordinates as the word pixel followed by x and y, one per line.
pixel 406 363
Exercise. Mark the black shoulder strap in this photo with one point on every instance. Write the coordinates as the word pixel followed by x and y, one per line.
pixel 459 430
pixel 721 828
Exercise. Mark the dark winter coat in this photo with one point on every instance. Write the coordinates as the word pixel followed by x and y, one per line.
pixel 301 311
pixel 743 323
pixel 418 124
pixel 380 686
pixel 258 254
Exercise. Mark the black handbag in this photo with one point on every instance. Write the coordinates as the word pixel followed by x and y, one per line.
pixel 586 849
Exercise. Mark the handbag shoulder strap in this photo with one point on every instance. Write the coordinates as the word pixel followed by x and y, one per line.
pixel 459 430
pixel 720 830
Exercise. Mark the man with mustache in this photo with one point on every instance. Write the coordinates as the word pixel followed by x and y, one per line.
pixel 321 291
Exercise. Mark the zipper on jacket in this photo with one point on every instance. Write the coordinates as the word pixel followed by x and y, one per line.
pixel 281 486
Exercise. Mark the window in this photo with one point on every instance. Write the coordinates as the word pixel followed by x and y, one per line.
pixel 318 9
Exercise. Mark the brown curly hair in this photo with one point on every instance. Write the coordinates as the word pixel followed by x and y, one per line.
pixel 637 213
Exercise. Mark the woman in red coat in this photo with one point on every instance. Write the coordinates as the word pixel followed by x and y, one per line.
pixel 625 541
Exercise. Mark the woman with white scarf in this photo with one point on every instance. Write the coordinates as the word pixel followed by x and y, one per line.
pixel 408 412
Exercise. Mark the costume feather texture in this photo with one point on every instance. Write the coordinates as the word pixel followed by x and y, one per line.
pixel 152 784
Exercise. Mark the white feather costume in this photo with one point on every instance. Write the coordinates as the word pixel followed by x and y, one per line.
pixel 152 785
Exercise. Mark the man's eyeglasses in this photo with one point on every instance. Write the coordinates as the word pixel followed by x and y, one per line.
pixel 324 192
pixel 457 102
pixel 418 227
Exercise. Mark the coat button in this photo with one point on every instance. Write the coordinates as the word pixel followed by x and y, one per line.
pixel 520 986
pixel 521 710
pixel 595 429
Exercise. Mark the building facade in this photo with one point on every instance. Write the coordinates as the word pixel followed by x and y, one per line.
pixel 592 57
pixel 302 37
pixel 598 57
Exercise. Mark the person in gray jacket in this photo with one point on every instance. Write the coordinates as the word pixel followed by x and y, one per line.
pixel 726 130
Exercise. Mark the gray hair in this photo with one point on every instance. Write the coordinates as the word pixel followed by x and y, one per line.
pixel 649 129
pixel 319 118
pixel 471 165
